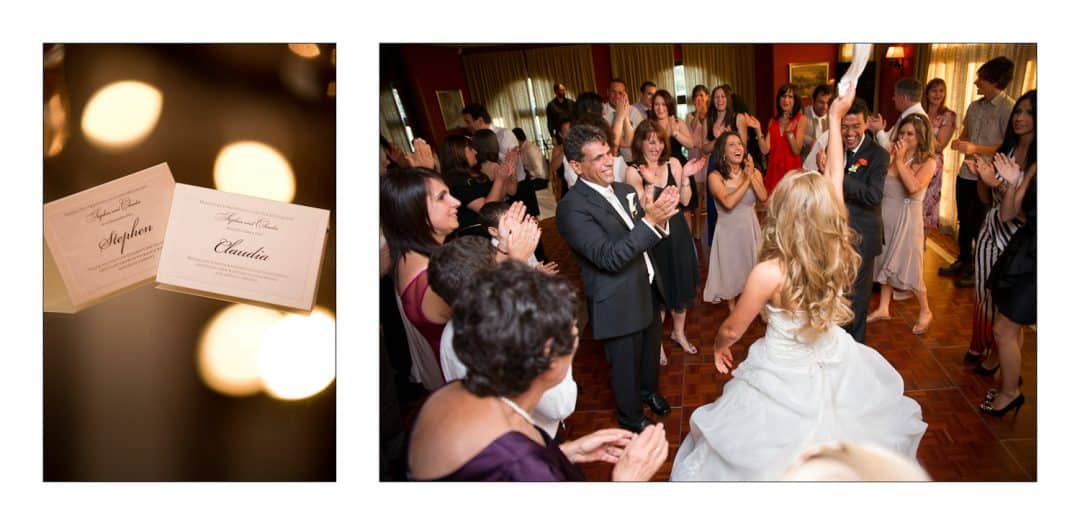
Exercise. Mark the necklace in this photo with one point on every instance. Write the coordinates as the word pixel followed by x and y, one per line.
pixel 513 406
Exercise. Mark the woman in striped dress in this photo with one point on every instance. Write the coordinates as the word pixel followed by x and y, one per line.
pixel 1019 145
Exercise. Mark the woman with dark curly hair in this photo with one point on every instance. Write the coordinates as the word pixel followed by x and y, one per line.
pixel 515 332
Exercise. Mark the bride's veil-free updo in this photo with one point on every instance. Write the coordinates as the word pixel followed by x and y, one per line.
pixel 806 228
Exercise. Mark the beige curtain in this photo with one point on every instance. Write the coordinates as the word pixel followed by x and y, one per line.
pixel 569 65
pixel 956 64
pixel 713 65
pixel 390 125
pixel 499 81
pixel 637 63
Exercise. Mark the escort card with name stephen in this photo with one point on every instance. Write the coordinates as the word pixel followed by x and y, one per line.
pixel 243 249
pixel 105 240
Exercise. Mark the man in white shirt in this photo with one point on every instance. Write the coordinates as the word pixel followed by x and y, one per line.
pixel 476 118
pixel 817 115
pixel 907 99
pixel 453 267
pixel 622 117
pixel 610 232
pixel 644 103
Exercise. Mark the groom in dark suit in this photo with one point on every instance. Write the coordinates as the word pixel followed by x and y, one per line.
pixel 610 232
pixel 864 182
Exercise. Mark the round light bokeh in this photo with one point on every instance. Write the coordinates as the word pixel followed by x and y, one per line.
pixel 253 168
pixel 229 349
pixel 305 50
pixel 297 355
pixel 121 114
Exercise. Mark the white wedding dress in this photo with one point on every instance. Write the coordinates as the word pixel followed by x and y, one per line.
pixel 788 395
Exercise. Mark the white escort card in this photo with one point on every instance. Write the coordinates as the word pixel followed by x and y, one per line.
pixel 105 240
pixel 243 249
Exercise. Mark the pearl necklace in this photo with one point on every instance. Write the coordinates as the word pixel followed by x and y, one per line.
pixel 521 412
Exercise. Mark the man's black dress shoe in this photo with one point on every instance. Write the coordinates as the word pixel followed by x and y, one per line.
pixel 967 281
pixel 657 404
pixel 638 426
pixel 955 268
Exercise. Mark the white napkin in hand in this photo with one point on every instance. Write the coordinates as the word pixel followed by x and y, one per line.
pixel 860 56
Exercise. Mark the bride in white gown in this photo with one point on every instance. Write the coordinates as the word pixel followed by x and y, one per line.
pixel 807 381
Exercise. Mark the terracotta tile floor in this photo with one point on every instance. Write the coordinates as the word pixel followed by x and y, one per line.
pixel 960 444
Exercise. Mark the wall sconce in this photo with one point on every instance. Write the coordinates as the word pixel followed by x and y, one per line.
pixel 895 56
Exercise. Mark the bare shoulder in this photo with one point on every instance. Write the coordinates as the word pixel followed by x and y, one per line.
pixel 452 427
pixel 768 272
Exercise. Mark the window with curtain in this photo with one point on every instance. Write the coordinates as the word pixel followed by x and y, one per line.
pixel 637 63
pixel 713 65
pixel 569 65
pixel 499 81
pixel 956 65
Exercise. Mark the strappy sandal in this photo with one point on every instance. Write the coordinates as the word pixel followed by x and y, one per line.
pixel 685 344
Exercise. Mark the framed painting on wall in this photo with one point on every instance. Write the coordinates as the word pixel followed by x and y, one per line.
pixel 450 105
pixel 808 76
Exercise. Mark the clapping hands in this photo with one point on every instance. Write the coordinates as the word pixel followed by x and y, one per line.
pixel 979 166
pixel 420 158
pixel 518 233
pixel 753 122
pixel 662 208
pixel 1007 168
pixel 643 456
pixel 876 123
pixel 637 457
pixel 695 165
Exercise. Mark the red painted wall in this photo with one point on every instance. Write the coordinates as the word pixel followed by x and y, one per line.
pixel 889 75
pixel 601 59
pixel 764 92
pixel 430 69
pixel 785 54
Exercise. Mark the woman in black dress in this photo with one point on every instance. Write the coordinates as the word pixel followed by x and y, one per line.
pixel 674 258
pixel 474 176
pixel 1012 284
pixel 678 134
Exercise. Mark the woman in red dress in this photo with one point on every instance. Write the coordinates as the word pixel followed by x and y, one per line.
pixel 784 138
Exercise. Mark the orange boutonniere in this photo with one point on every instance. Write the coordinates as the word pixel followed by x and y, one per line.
pixel 861 162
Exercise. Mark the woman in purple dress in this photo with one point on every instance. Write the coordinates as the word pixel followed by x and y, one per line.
pixel 943 121
pixel 515 332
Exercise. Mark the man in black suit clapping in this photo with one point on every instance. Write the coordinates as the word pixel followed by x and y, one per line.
pixel 610 232
pixel 864 182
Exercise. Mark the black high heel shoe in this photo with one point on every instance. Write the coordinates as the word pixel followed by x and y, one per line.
pixel 993 392
pixel 985 372
pixel 1015 404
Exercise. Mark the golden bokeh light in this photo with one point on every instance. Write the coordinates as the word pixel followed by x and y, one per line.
pixel 228 354
pixel 121 114
pixel 297 356
pixel 305 50
pixel 253 168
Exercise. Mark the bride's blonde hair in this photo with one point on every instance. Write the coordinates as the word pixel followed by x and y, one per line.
pixel 806 229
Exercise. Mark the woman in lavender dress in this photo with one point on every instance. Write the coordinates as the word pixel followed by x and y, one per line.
pixel 515 332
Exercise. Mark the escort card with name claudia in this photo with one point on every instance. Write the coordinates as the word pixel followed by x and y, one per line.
pixel 105 240
pixel 243 249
